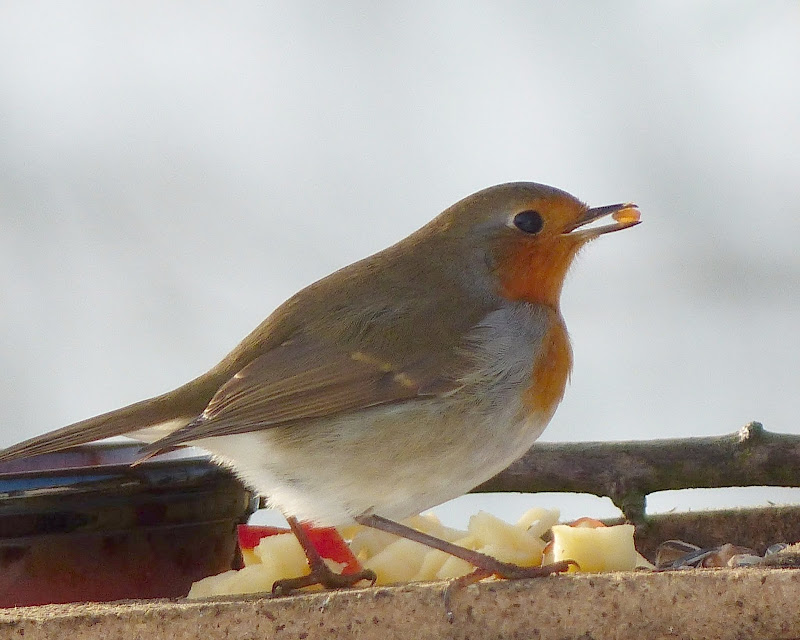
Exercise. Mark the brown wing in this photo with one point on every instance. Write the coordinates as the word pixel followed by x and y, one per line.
pixel 303 379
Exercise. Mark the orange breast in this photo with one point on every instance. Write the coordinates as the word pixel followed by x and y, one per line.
pixel 550 371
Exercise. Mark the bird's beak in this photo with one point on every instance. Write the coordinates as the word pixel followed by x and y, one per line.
pixel 625 215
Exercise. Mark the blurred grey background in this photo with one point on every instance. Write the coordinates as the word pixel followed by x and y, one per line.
pixel 171 172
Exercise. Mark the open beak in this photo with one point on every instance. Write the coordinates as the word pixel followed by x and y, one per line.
pixel 624 215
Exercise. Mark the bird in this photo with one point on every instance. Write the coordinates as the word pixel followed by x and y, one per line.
pixel 394 384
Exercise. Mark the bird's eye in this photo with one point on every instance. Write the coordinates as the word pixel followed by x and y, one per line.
pixel 529 221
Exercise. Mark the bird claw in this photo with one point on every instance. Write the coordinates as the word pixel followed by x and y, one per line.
pixel 322 576
pixel 510 571
pixel 504 570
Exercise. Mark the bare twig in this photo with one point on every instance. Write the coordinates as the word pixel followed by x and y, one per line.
pixel 627 471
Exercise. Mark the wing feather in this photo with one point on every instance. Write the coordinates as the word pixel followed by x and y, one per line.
pixel 303 379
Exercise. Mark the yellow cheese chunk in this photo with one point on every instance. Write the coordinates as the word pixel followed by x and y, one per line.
pixel 595 549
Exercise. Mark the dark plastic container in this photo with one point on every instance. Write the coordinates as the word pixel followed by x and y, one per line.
pixel 85 525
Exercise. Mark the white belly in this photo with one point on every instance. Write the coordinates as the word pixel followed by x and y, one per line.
pixel 395 466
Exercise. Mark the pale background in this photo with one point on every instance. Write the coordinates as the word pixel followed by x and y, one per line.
pixel 171 172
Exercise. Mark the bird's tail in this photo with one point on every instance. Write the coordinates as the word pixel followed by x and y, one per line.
pixel 147 420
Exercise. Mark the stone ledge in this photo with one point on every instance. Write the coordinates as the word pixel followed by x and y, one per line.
pixel 709 604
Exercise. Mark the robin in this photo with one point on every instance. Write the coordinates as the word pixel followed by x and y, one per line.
pixel 394 384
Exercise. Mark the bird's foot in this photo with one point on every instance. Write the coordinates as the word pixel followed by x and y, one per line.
pixel 509 571
pixel 505 570
pixel 322 575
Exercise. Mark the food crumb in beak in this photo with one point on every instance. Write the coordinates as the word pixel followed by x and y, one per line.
pixel 627 215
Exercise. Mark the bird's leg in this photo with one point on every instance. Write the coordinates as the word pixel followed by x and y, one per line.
pixel 485 566
pixel 320 572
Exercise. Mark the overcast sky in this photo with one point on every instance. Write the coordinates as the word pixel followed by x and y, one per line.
pixel 171 172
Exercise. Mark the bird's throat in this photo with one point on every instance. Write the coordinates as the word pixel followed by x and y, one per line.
pixel 535 273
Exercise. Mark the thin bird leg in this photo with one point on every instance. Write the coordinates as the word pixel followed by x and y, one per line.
pixel 486 565
pixel 320 572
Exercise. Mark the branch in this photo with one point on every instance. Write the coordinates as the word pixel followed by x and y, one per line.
pixel 627 471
